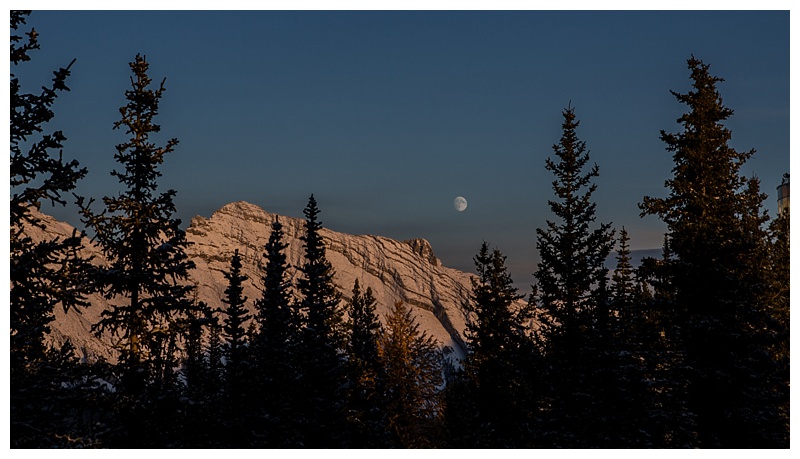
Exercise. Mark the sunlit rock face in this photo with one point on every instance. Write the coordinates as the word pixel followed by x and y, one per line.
pixel 74 325
pixel 423 248
pixel 396 271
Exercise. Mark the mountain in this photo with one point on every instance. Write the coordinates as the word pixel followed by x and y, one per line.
pixel 405 271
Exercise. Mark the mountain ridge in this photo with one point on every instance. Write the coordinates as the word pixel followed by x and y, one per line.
pixel 395 270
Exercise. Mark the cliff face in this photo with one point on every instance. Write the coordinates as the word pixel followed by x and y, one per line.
pixel 396 271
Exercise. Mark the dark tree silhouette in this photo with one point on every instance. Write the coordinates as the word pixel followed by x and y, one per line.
pixel 717 317
pixel 202 422
pixel 321 362
pixel 572 254
pixel 498 347
pixel 147 272
pixel 44 381
pixel 50 273
pixel 238 370
pixel 572 300
pixel 366 414
pixel 276 345
pixel 779 299
pixel 630 351
pixel 234 321
pixel 279 325
pixel 624 286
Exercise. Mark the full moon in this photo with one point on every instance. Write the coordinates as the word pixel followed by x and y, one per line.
pixel 460 204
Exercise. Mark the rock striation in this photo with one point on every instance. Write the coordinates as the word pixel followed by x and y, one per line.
pixel 396 271
pixel 405 271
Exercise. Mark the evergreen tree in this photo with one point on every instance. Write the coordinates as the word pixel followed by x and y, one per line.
pixel 147 271
pixel 194 365
pixel 673 425
pixel 717 316
pixel 365 412
pixel 413 376
pixel 214 354
pixel 320 299
pixel 36 174
pixel 236 355
pixel 497 345
pixel 50 273
pixel 321 361
pixel 632 344
pixel 571 295
pixel 779 300
pixel 278 323
pixel 624 288
pixel 275 346
pixel 779 281
pixel 143 243
pixel 214 428
pixel 626 302
pixel 572 254
pixel 364 325
pixel 235 317
pixel 43 275
pixel 201 426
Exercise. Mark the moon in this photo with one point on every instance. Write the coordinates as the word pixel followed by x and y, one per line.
pixel 460 204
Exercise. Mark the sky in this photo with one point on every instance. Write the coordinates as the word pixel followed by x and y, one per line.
pixel 388 116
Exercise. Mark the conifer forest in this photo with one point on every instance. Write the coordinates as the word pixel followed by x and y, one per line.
pixel 687 350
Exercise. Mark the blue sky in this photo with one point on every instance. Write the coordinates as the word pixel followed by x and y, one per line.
pixel 388 116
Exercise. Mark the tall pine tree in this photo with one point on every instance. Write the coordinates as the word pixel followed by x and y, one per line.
pixel 716 319
pixel 235 317
pixel 279 325
pixel 366 414
pixel 43 275
pixel 630 346
pixel 276 345
pixel 145 279
pixel 50 273
pixel 362 345
pixel 321 362
pixel 497 344
pixel 570 293
pixel 237 368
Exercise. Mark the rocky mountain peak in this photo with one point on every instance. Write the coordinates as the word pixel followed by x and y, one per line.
pixel 394 270
pixel 423 248
pixel 405 271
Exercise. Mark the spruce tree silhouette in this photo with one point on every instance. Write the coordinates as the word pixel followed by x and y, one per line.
pixel 145 281
pixel 570 295
pixel 43 275
pixel 718 320
pixel 276 346
pixel 320 361
pixel 497 346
